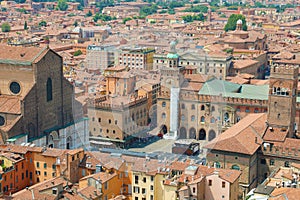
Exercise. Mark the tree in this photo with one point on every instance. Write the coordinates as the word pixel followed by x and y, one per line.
pixel 62 5
pixel 5 27
pixel 148 10
pixel 77 53
pixel 75 24
pixel 43 23
pixel 231 23
pixel 126 19
pixel 89 14
pixel 25 25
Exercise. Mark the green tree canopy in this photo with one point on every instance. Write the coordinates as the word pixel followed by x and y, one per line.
pixel 199 8
pixel 75 23
pixel 62 5
pixel 25 25
pixel 89 14
pixel 126 19
pixel 148 10
pixel 190 18
pixel 5 27
pixel 77 53
pixel 43 23
pixel 231 23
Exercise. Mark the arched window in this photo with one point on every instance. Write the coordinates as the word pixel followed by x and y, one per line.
pixel 213 109
pixel 211 135
pixel 217 165
pixel 212 120
pixel 203 119
pixel 202 107
pixel 182 118
pixel 193 118
pixel 236 167
pixel 163 115
pixel 202 134
pixel 49 89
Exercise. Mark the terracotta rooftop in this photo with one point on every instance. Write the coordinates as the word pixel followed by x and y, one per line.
pixel 241 138
pixel 20 55
pixel 10 104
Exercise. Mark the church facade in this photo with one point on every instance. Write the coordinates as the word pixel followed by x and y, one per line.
pixel 37 103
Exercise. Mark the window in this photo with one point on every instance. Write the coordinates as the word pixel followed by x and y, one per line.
pixel 163 104
pixel 54 190
pixel 152 178
pixel 22 176
pixel 163 115
pixel 236 167
pixel 15 87
pixel 37 164
pixel 247 110
pixel 263 161
pixel 209 182
pixel 26 173
pixel 193 107
pixel 136 189
pixel 99 119
pixel 49 89
pixel 286 164
pixel 45 165
pixel 2 121
pixel 182 118
pixel 193 118
pixel 116 122
pixel 272 162
pixel 212 120
pixel 136 179
pixel 183 106
pixel 223 184
pixel 151 187
pixel 213 109
pixel 144 180
pixel 143 190
pixel 194 190
pixel 105 185
pixel 217 165
pixel 202 107
pixel 202 119
pixel 45 173
pixel 109 121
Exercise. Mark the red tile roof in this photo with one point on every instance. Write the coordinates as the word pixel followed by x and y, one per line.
pixel 241 137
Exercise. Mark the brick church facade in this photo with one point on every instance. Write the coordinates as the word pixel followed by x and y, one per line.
pixel 36 101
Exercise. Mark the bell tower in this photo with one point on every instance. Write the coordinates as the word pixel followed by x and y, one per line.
pixel 282 96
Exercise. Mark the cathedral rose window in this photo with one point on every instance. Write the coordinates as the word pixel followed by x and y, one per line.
pixel 2 121
pixel 15 87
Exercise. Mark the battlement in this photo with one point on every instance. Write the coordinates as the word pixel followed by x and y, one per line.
pixel 284 69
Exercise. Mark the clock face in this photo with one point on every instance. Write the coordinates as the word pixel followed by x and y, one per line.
pixel 169 82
